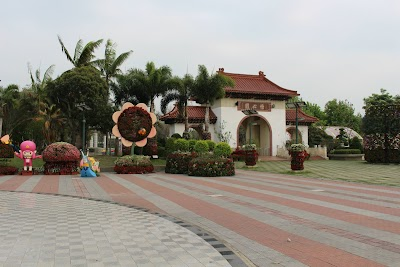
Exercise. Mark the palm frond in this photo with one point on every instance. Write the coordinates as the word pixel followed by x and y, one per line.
pixel 78 51
pixel 64 49
pixel 168 98
pixel 48 73
pixel 86 56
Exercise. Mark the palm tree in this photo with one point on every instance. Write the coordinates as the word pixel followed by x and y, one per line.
pixel 209 88
pixel 127 89
pixel 38 84
pixel 109 66
pixel 83 55
pixel 9 106
pixel 155 81
pixel 181 94
pixel 52 119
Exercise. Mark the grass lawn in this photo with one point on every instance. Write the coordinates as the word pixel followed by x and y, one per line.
pixel 352 171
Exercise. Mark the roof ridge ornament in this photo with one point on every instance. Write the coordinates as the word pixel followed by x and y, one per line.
pixel 221 70
pixel 261 73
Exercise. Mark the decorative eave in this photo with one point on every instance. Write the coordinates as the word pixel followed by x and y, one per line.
pixel 302 118
pixel 255 86
pixel 196 114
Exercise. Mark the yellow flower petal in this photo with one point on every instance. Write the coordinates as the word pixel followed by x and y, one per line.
pixel 115 131
pixel 127 105
pixel 152 132
pixel 116 115
pixel 126 142
pixel 141 143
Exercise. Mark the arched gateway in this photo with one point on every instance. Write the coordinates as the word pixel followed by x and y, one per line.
pixel 253 111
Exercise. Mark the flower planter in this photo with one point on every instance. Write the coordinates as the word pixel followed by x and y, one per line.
pixel 251 157
pixel 297 162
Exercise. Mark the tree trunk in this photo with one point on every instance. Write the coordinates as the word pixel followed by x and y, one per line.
pixel 207 118
pixel 152 105
pixel 186 120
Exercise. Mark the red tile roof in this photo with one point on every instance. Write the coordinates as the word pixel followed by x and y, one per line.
pixel 255 84
pixel 302 117
pixel 196 114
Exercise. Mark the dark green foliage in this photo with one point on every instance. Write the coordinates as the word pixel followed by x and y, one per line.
pixel 211 167
pixel 346 151
pixel 182 145
pixel 355 143
pixel 161 152
pixel 211 145
pixel 317 136
pixel 176 135
pixel 192 143
pixel 170 145
pixel 222 149
pixel 178 162
pixel 201 147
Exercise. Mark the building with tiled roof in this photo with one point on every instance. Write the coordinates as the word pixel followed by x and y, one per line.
pixel 253 111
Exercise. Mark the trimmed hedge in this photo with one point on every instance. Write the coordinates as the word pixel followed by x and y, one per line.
pixel 222 149
pixel 201 147
pixel 346 151
pixel 133 164
pixel 211 167
pixel 178 162
pixel 182 145
pixel 8 170
pixel 211 145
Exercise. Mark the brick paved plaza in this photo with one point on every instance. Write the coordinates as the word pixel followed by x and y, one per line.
pixel 266 219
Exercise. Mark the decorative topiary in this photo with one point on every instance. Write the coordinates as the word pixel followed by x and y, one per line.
pixel 170 145
pixel 222 149
pixel 201 147
pixel 182 145
pixel 6 151
pixel 176 136
pixel 206 135
pixel 133 164
pixel 61 158
pixel 192 143
pixel 211 145
pixel 178 162
pixel 211 167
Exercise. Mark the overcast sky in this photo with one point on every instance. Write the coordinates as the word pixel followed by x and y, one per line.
pixel 324 49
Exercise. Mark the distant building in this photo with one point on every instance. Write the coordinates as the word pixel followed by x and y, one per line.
pixel 253 111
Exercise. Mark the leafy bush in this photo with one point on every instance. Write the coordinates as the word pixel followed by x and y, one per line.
pixel 201 147
pixel 176 136
pixel 222 149
pixel 6 151
pixel 61 158
pixel 182 145
pixel 192 143
pixel 133 164
pixel 346 151
pixel 211 167
pixel 170 145
pixel 211 145
pixel 161 152
pixel 355 143
pixel 178 162
pixel 382 148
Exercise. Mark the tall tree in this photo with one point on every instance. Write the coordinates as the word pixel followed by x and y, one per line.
pixel 38 83
pixel 53 120
pixel 83 55
pixel 127 89
pixel 9 103
pixel 181 94
pixel 110 65
pixel 209 88
pixel 341 113
pixel 155 81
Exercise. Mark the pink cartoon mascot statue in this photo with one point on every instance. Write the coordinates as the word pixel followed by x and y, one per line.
pixel 27 153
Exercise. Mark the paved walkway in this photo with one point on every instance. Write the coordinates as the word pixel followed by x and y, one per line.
pixel 269 219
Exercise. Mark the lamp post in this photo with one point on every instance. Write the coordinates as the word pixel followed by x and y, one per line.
pixel 82 107
pixel 296 105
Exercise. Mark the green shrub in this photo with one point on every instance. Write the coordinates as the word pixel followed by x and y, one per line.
pixel 211 145
pixel 176 136
pixel 222 149
pixel 161 152
pixel 182 145
pixel 346 151
pixel 192 143
pixel 6 151
pixel 178 162
pixel 201 147
pixel 211 167
pixel 355 143
pixel 170 145
pixel 133 164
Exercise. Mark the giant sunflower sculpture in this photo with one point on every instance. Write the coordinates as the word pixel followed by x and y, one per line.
pixel 134 124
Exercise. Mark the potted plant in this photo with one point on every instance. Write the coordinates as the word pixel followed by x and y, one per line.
pixel 251 157
pixel 298 154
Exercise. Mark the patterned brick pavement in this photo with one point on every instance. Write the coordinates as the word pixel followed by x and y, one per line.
pixel 269 219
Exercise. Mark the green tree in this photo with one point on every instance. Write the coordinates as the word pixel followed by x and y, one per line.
pixel 155 81
pixel 53 120
pixel 38 83
pixel 82 85
pixel 181 94
pixel 341 113
pixel 127 89
pixel 209 88
pixel 10 102
pixel 110 65
pixel 83 55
